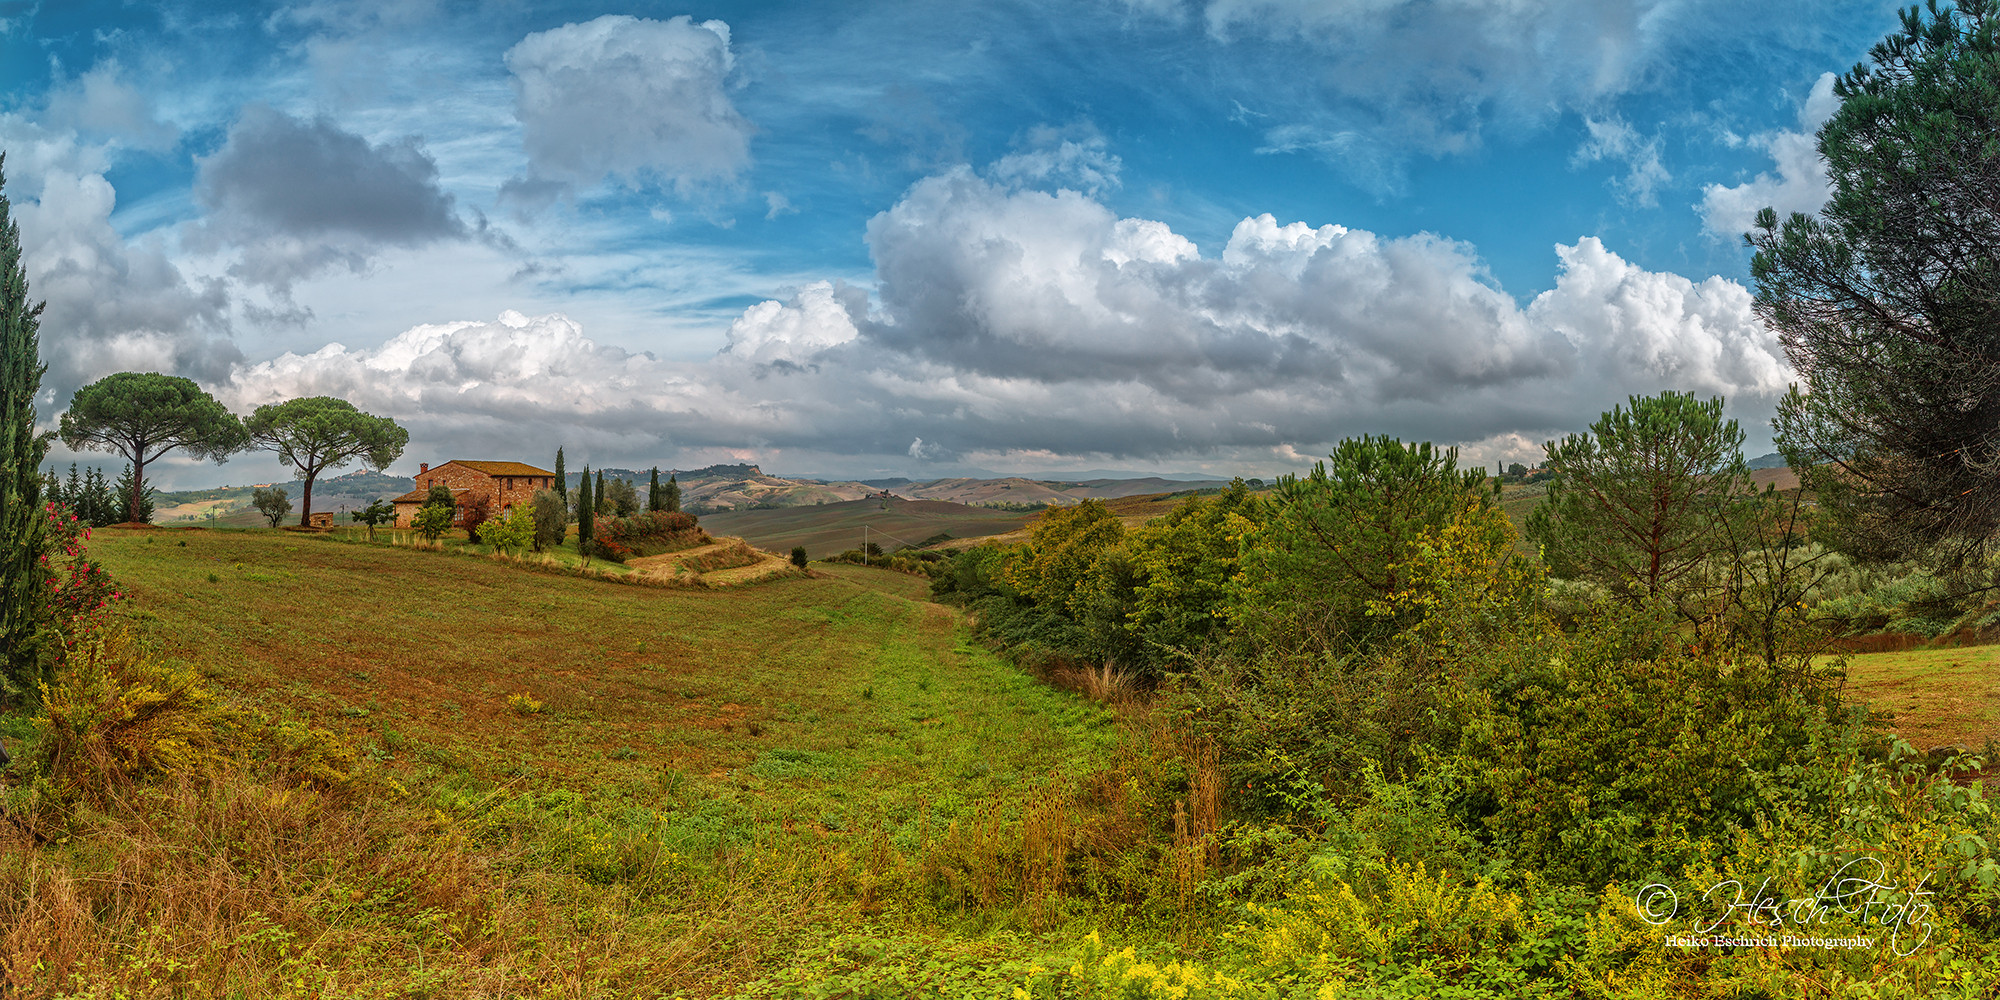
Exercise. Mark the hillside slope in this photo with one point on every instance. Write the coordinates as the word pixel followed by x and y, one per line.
pixel 611 790
pixel 825 529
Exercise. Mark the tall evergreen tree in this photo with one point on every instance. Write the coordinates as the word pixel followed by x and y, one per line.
pixel 24 580
pixel 603 503
pixel 562 481
pixel 53 490
pixel 1888 298
pixel 586 513
pixel 1641 503
pixel 672 501
pixel 136 502
pixel 100 503
pixel 653 491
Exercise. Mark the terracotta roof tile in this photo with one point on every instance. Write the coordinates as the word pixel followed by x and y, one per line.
pixel 503 468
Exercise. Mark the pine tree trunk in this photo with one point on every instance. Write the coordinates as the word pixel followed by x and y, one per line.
pixel 138 484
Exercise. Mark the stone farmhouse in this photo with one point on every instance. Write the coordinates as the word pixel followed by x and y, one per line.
pixel 503 484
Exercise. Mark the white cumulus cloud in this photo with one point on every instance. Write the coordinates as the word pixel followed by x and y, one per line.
pixel 113 304
pixel 794 332
pixel 1800 184
pixel 630 98
pixel 1010 321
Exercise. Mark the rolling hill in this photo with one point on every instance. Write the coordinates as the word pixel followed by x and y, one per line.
pixel 825 529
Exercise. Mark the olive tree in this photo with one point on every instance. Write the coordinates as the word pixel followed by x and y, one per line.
pixel 274 504
pixel 379 511
pixel 551 519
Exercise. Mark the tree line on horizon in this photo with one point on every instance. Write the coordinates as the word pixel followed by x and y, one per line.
pixel 142 416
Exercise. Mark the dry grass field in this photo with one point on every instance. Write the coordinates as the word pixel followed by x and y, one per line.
pixel 1937 697
pixel 595 789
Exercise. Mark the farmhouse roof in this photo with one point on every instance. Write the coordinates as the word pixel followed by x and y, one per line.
pixel 503 468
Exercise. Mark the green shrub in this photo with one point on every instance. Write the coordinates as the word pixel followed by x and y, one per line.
pixel 513 530
pixel 648 534
pixel 433 520
pixel 116 716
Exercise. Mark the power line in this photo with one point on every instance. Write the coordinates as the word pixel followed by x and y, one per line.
pixel 865 528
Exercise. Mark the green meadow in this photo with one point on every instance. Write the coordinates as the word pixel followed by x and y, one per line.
pixel 556 786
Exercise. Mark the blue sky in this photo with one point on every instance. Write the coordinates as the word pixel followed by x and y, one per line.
pixel 924 238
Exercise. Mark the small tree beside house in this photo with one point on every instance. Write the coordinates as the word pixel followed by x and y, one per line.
pixel 551 519
pixel 379 512
pixel 274 504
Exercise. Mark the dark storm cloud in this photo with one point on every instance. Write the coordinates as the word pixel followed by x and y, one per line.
pixel 300 196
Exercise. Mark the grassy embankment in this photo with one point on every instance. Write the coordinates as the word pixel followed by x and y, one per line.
pixel 1936 697
pixel 605 791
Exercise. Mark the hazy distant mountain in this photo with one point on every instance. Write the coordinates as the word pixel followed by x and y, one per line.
pixel 1125 475
pixel 1052 477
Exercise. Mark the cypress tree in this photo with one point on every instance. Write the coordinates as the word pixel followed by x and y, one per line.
pixel 603 505
pixel 653 491
pixel 24 580
pixel 562 480
pixel 672 501
pixel 586 514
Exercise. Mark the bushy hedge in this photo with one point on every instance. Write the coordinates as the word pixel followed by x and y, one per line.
pixel 647 534
pixel 913 561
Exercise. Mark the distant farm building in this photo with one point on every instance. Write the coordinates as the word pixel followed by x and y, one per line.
pixel 502 484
